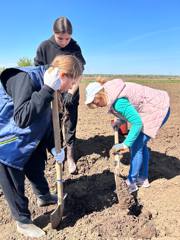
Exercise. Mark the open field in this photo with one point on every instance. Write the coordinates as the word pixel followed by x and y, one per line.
pixel 92 210
pixel 142 79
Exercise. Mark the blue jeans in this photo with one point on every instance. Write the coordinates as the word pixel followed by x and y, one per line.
pixel 139 165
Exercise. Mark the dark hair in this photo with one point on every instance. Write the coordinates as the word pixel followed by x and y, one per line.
pixel 62 25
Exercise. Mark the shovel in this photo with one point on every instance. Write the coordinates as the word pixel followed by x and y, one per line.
pixel 56 215
pixel 117 156
pixel 117 170
pixel 125 199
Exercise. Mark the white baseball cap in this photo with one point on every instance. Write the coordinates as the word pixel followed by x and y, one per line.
pixel 91 90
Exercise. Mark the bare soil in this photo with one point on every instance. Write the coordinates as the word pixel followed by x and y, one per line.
pixel 98 208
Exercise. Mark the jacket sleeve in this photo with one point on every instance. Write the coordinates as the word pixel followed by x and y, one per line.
pixel 28 103
pixel 127 110
pixel 78 53
pixel 39 58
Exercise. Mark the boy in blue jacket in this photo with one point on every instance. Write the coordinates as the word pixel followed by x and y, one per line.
pixel 26 132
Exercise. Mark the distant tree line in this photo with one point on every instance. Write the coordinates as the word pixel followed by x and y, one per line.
pixel 22 62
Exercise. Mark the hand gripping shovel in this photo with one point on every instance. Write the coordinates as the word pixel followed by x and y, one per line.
pixel 56 215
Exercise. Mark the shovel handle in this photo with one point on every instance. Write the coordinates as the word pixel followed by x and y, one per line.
pixel 57 140
pixel 116 136
pixel 59 183
pixel 117 157
pixel 56 123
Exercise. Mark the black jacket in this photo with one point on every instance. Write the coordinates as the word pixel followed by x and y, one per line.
pixel 48 49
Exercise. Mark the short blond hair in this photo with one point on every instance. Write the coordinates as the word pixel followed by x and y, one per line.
pixel 69 64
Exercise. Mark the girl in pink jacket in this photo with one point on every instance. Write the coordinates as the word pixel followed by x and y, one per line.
pixel 145 108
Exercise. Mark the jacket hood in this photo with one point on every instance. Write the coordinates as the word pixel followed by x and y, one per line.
pixel 113 88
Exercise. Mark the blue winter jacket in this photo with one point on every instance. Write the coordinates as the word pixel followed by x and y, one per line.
pixel 17 144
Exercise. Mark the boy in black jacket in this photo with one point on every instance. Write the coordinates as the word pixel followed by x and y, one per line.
pixel 62 43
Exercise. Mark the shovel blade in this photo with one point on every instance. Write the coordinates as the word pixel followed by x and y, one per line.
pixel 56 216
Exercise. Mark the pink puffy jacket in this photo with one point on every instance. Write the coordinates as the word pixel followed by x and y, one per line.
pixel 151 104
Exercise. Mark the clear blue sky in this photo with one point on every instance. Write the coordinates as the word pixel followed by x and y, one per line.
pixel 116 36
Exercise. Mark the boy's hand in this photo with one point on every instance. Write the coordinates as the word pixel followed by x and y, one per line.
pixel 59 157
pixel 68 99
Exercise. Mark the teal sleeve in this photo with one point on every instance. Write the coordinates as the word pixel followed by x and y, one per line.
pixel 127 110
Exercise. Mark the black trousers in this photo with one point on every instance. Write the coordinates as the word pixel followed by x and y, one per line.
pixel 70 117
pixel 12 181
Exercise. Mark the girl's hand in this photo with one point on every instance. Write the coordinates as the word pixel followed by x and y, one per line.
pixel 119 148
pixel 116 123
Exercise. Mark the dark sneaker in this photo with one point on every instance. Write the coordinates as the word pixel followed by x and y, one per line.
pixel 47 199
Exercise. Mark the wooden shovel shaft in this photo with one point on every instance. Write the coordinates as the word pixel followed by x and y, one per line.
pixel 56 124
pixel 116 136
pixel 116 140
pixel 57 139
